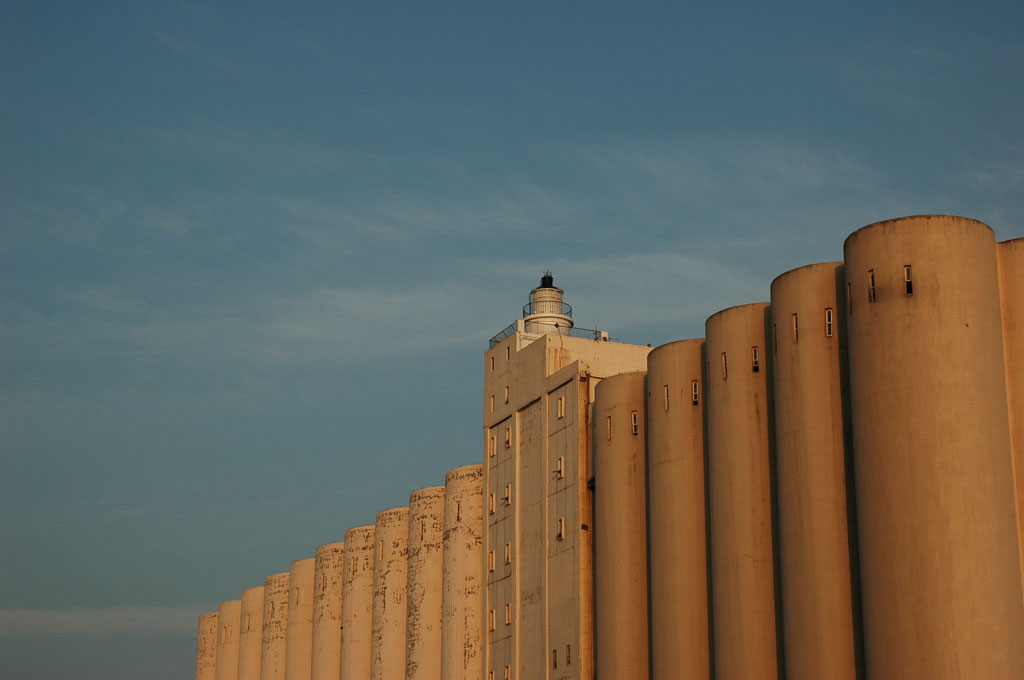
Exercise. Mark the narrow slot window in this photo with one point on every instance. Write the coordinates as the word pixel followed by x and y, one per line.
pixel 458 511
pixel 490 560
pixel 508 614
pixel 508 494
pixel 666 397
pixel 508 673
pixel 828 323
pixel 223 634
pixel 490 675
pixel 608 427
pixel 695 391
pixel 492 403
pixel 508 437
pixel 560 529
pixel 635 423
pixel 560 468
pixel 725 367
pixel 490 619
pixel 755 359
pixel 297 590
pixel 490 504
pixel 568 655
pixel 796 328
pixel 248 622
pixel 493 445
pixel 554 658
pixel 508 553
pixel 506 394
pixel 560 411
pixel 871 285
pixel 492 363
pixel 508 353
pixel 908 280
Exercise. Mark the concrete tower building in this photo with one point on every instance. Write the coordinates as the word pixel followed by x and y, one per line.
pixel 250 635
pixel 462 574
pixel 275 626
pixel 539 385
pixel 206 647
pixel 300 620
pixel 425 574
pixel 390 570
pixel 327 574
pixel 357 603
pixel 227 642
pixel 1011 291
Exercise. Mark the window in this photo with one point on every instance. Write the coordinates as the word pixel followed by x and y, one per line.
pixel 223 634
pixel 508 494
pixel 490 560
pixel 871 285
pixel 796 328
pixel 508 553
pixel 458 511
pixel 508 673
pixel 508 437
pixel 695 387
pixel 490 504
pixel 755 359
pixel 490 675
pixel 635 423
pixel 508 614
pixel 508 353
pixel 568 655
pixel 493 445
pixel 492 363
pixel 560 468
pixel 828 322
pixel 608 427
pixel 554 658
pixel 560 411
pixel 725 367
pixel 908 280
pixel 298 590
pixel 490 620
pixel 560 529
pixel 492 403
pixel 248 621
pixel 666 397
pixel 506 394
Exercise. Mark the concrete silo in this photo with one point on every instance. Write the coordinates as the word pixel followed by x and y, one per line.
pixel 206 647
pixel 1011 286
pixel 227 639
pixel 357 603
pixel 935 503
pixel 740 461
pixel 463 575
pixel 275 626
pixel 325 663
pixel 820 596
pixel 620 529
pixel 423 593
pixel 390 572
pixel 680 643
pixel 250 634
pixel 300 620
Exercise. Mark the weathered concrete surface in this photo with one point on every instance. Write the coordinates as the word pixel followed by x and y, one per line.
pixel 462 582
pixel 250 636
pixel 423 595
pixel 327 576
pixel 275 626
pixel 300 620
pixel 357 603
pixel 390 569
pixel 206 647
pixel 227 640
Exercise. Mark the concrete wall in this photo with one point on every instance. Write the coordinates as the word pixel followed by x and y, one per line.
pixel 423 593
pixel 1011 291
pixel 300 620
pixel 935 502
pixel 357 603
pixel 462 582
pixel 326 648
pixel 820 596
pixel 275 626
pixel 390 570
pixel 227 640
pixel 740 459
pixel 620 529
pixel 250 635
pixel 206 647
pixel 680 641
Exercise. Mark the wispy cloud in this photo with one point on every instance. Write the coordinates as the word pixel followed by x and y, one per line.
pixel 98 622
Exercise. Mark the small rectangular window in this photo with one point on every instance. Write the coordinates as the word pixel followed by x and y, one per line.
pixel 608 427
pixel 508 437
pixel 828 322
pixel 490 620
pixel 554 658
pixel 560 412
pixel 871 285
pixel 508 553
pixel 508 673
pixel 560 529
pixel 560 468
pixel 908 280
pixel 490 675
pixel 506 393
pixel 458 511
pixel 492 403
pixel 695 391
pixel 508 614
pixel 490 504
pixel 248 618
pixel 635 422
pixel 493 445
pixel 492 363
pixel 755 359
pixel 666 397
pixel 508 494
pixel 725 367
pixel 298 591
pixel 796 328
pixel 508 353
pixel 568 655
pixel 490 560
pixel 223 634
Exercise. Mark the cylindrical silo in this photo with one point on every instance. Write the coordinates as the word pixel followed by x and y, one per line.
pixel 227 640
pixel 327 572
pixel 820 597
pixel 206 647
pixel 275 626
pixel 357 603
pixel 680 642
pixel 1011 285
pixel 941 586
pixel 300 620
pixel 423 605
pixel 620 529
pixel 740 451
pixel 462 579
pixel 250 635
pixel 390 569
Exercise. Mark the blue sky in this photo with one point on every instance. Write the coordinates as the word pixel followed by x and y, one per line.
pixel 251 255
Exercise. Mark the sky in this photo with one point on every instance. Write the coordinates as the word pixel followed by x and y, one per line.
pixel 251 254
